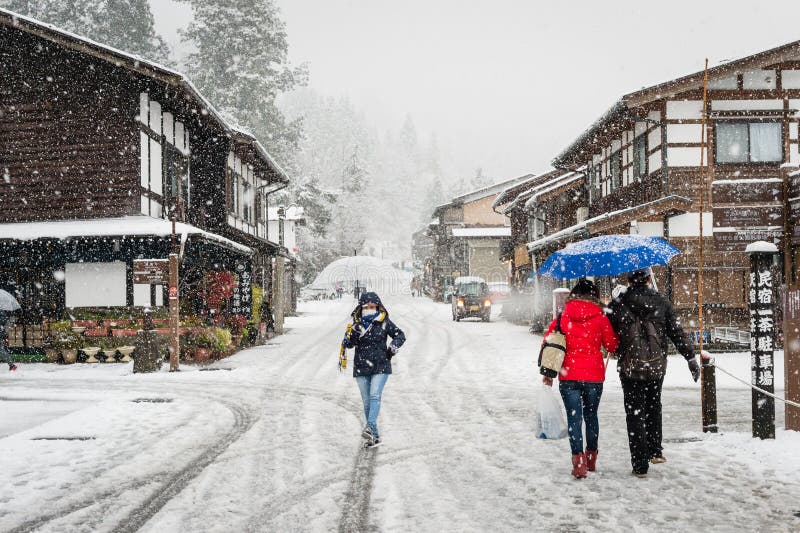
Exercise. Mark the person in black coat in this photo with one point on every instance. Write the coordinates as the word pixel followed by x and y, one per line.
pixel 372 363
pixel 645 322
pixel 6 323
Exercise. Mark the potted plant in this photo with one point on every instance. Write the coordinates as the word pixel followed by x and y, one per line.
pixel 51 352
pixel 109 349
pixel 91 352
pixel 126 352
pixel 203 342
pixel 66 340
pixel 221 341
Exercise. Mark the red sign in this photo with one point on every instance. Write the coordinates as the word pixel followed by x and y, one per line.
pixel 173 292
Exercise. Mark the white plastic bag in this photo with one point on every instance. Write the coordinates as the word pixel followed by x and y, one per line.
pixel 550 421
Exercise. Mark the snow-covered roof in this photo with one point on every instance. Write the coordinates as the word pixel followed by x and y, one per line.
pixel 140 65
pixel 582 227
pixel 488 190
pixel 550 186
pixel 504 195
pixel 499 231
pixel 128 226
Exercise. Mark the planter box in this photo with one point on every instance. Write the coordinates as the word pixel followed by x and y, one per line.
pixel 123 332
pixel 97 332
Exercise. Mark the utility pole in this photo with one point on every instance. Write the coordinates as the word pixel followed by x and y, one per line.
pixel 277 286
pixel 708 378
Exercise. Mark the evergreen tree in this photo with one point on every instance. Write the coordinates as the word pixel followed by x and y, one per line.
pixel 124 24
pixel 240 63
pixel 354 174
pixel 479 181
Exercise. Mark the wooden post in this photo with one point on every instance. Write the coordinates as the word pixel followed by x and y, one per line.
pixel 708 379
pixel 174 314
pixel 277 285
pixel 762 336
pixel 791 303
pixel 791 354
pixel 709 394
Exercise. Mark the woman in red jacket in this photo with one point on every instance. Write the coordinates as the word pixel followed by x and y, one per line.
pixel 586 328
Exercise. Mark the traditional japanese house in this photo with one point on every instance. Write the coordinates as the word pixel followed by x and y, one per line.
pixel 100 152
pixel 525 224
pixel 644 165
pixel 468 238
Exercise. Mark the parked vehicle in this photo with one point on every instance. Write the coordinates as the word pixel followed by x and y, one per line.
pixel 471 299
pixel 498 291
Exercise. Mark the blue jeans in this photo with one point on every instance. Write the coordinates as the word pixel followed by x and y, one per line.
pixel 581 400
pixel 371 388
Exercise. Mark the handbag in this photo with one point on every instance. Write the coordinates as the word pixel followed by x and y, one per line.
pixel 554 347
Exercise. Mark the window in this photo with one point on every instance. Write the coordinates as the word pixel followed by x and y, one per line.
pixel 748 142
pixel 176 177
pixel 615 164
pixel 640 157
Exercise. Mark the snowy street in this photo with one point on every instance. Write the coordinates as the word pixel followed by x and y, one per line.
pixel 270 441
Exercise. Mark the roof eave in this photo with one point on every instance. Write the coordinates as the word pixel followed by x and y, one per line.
pixel 568 157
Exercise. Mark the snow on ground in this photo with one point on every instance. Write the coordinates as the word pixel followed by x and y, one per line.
pixel 270 442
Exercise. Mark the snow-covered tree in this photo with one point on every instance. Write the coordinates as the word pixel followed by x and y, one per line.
pixel 124 24
pixel 354 174
pixel 240 63
pixel 479 181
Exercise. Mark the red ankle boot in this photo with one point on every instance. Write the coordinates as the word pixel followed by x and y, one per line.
pixel 591 460
pixel 579 465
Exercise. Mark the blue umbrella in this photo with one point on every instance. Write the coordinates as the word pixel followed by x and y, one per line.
pixel 608 255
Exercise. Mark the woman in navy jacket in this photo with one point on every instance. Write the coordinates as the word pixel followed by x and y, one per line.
pixel 372 364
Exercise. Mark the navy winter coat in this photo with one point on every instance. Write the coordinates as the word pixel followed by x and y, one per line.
pixel 369 338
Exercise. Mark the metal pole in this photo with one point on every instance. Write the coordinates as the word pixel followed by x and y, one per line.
pixel 762 336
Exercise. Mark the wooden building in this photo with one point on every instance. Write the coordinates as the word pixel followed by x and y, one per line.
pixel 469 238
pixel 641 166
pixel 98 150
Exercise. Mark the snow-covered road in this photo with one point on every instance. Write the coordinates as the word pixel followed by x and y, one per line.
pixel 271 442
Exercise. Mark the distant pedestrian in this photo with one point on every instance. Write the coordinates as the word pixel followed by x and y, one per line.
pixel 645 321
pixel 6 323
pixel 586 329
pixel 368 334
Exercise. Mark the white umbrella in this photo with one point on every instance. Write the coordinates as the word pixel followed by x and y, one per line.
pixel 370 272
pixel 8 302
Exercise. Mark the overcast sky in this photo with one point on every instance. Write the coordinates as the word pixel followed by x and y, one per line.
pixel 507 84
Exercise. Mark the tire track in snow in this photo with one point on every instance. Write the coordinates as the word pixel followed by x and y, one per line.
pixel 355 512
pixel 243 421
pixel 169 485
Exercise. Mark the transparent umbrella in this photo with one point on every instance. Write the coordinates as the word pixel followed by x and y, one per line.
pixel 8 302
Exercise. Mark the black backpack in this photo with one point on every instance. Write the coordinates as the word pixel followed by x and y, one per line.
pixel 641 354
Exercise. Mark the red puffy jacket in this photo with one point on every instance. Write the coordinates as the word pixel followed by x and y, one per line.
pixel 585 328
